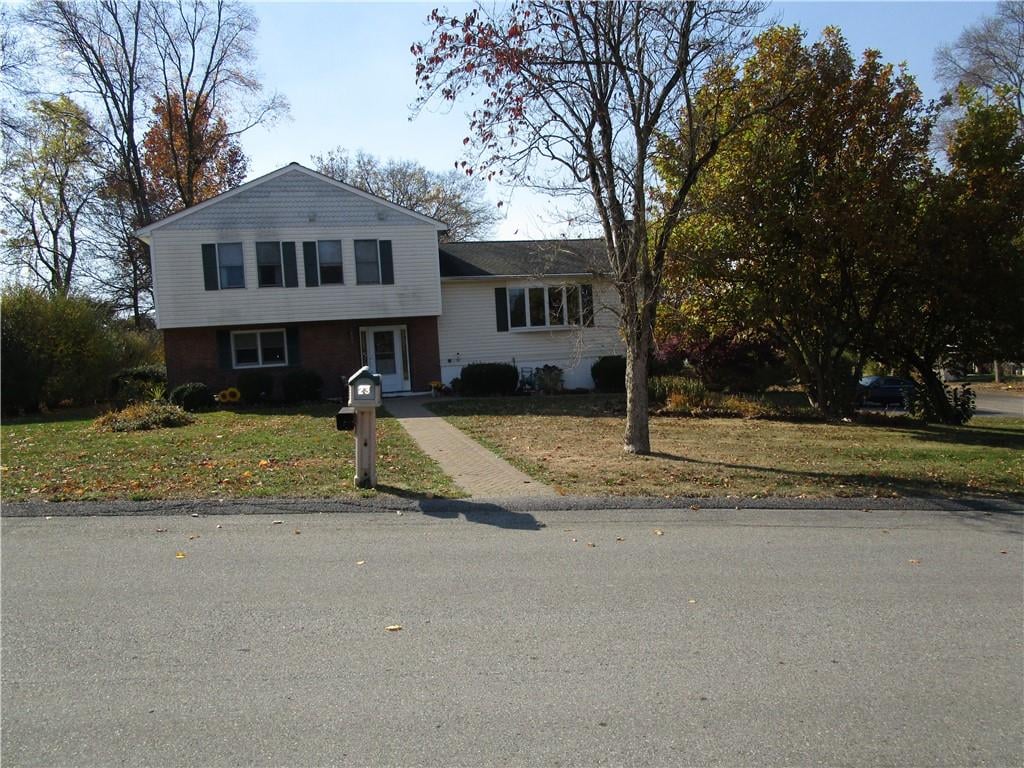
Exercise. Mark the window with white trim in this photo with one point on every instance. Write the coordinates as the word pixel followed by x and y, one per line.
pixel 230 268
pixel 367 262
pixel 547 306
pixel 328 255
pixel 269 267
pixel 259 349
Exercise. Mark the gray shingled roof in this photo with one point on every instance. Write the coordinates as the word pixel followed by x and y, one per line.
pixel 526 258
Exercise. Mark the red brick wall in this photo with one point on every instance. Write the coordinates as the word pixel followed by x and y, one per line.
pixel 329 348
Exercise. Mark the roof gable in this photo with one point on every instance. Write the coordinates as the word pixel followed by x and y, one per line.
pixel 280 183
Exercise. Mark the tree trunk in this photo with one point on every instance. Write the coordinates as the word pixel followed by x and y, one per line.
pixel 995 371
pixel 637 438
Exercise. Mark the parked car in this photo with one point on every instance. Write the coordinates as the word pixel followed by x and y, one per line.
pixel 883 390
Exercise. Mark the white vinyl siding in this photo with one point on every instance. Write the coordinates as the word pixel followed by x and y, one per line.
pixel 467 333
pixel 294 207
pixel 183 302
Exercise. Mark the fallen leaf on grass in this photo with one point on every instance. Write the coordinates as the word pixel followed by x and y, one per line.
pixel 180 555
pixel 264 463
pixel 393 628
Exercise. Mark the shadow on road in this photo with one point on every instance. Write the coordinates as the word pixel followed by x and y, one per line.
pixel 480 512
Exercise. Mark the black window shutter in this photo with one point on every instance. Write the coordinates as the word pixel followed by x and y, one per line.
pixel 309 259
pixel 291 275
pixel 387 265
pixel 587 300
pixel 292 336
pixel 224 349
pixel 210 267
pixel 501 308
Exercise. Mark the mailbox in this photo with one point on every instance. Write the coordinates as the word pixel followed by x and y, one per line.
pixel 364 389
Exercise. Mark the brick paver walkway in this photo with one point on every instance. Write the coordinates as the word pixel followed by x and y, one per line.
pixel 474 469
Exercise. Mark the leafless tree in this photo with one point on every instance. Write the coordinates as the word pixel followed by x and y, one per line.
pixel 204 54
pixel 573 97
pixel 119 57
pixel 453 197
pixel 989 56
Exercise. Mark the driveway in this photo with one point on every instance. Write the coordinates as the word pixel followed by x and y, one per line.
pixel 629 637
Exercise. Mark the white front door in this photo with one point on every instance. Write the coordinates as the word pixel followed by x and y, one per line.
pixel 387 354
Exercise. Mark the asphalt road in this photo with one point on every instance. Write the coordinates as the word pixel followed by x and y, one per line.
pixel 738 637
pixel 999 404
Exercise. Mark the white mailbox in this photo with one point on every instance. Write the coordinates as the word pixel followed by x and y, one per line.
pixel 364 389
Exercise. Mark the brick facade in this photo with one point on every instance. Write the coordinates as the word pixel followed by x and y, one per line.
pixel 330 348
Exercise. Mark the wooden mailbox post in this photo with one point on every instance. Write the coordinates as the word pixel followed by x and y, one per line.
pixel 364 392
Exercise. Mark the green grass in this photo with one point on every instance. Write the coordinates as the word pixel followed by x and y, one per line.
pixel 285 452
pixel 574 443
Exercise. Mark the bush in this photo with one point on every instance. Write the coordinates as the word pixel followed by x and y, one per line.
pixel 255 386
pixel 691 398
pixel 456 385
pixel 660 388
pixel 609 373
pixel 956 410
pixel 142 416
pixel 548 379
pixel 489 379
pixel 301 385
pixel 738 361
pixel 63 348
pixel 138 384
pixel 194 396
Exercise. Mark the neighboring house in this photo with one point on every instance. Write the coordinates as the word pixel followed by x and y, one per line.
pixel 294 269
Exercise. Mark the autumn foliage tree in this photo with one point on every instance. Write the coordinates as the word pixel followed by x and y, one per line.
pixel 187 162
pixel 571 97
pixel 805 222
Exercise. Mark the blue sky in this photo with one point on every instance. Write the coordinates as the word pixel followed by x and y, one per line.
pixel 348 73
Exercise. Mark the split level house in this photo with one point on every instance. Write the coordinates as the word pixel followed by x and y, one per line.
pixel 297 270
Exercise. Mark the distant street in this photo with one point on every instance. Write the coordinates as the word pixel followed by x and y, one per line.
pixel 999 404
pixel 680 637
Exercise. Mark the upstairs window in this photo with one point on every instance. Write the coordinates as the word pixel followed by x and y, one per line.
pixel 367 262
pixel 329 261
pixel 223 266
pixel 269 269
pixel 374 264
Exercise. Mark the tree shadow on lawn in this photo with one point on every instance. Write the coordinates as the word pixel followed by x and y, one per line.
pixel 989 437
pixel 903 486
pixel 480 512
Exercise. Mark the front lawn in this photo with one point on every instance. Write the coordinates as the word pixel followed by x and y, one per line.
pixel 574 443
pixel 293 452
